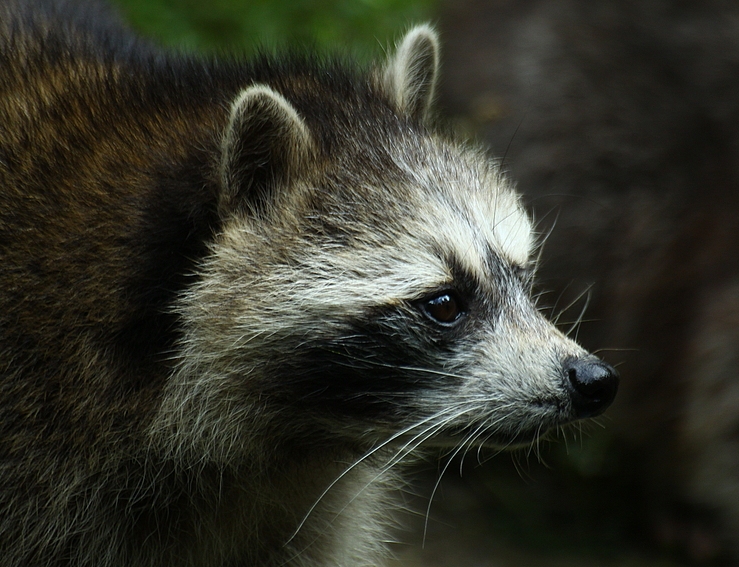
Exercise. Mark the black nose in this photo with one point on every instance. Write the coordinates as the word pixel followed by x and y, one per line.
pixel 592 383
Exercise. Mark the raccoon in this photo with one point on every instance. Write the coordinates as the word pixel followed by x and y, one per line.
pixel 235 295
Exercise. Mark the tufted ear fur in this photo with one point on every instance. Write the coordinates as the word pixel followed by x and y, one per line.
pixel 410 75
pixel 265 144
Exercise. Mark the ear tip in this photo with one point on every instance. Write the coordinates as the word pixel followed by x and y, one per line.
pixel 421 38
pixel 424 30
pixel 263 99
pixel 257 89
pixel 258 92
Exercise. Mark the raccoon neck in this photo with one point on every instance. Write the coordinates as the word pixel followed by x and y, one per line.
pixel 292 509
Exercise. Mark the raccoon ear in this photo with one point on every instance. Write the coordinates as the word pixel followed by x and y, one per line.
pixel 410 76
pixel 265 144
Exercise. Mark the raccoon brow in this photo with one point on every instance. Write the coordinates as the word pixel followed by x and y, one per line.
pixel 499 266
pixel 463 281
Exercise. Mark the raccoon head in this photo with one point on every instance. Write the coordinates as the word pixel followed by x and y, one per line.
pixel 369 284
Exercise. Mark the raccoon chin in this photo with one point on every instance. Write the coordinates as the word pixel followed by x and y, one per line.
pixel 485 439
pixel 473 436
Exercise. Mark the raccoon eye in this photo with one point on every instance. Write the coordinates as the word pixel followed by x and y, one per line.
pixel 444 308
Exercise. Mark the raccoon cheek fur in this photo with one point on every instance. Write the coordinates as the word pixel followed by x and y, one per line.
pixel 237 294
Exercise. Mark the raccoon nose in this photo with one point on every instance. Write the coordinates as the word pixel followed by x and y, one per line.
pixel 593 385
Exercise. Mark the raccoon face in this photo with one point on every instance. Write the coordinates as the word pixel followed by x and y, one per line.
pixel 421 313
pixel 379 292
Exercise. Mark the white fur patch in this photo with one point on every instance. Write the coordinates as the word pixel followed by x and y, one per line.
pixel 470 208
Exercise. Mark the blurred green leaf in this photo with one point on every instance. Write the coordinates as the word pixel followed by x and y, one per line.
pixel 361 26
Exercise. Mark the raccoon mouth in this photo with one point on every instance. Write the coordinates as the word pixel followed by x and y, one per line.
pixel 549 414
pixel 493 432
pixel 500 440
pixel 481 435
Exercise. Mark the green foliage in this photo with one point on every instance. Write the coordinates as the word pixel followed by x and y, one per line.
pixel 362 26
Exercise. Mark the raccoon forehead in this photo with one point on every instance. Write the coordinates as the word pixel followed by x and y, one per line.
pixel 481 224
pixel 470 208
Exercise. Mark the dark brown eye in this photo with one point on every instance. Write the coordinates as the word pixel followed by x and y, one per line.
pixel 444 308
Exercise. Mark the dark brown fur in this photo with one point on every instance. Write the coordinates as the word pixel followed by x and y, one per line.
pixel 108 169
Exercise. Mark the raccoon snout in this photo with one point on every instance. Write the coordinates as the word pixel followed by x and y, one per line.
pixel 592 384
